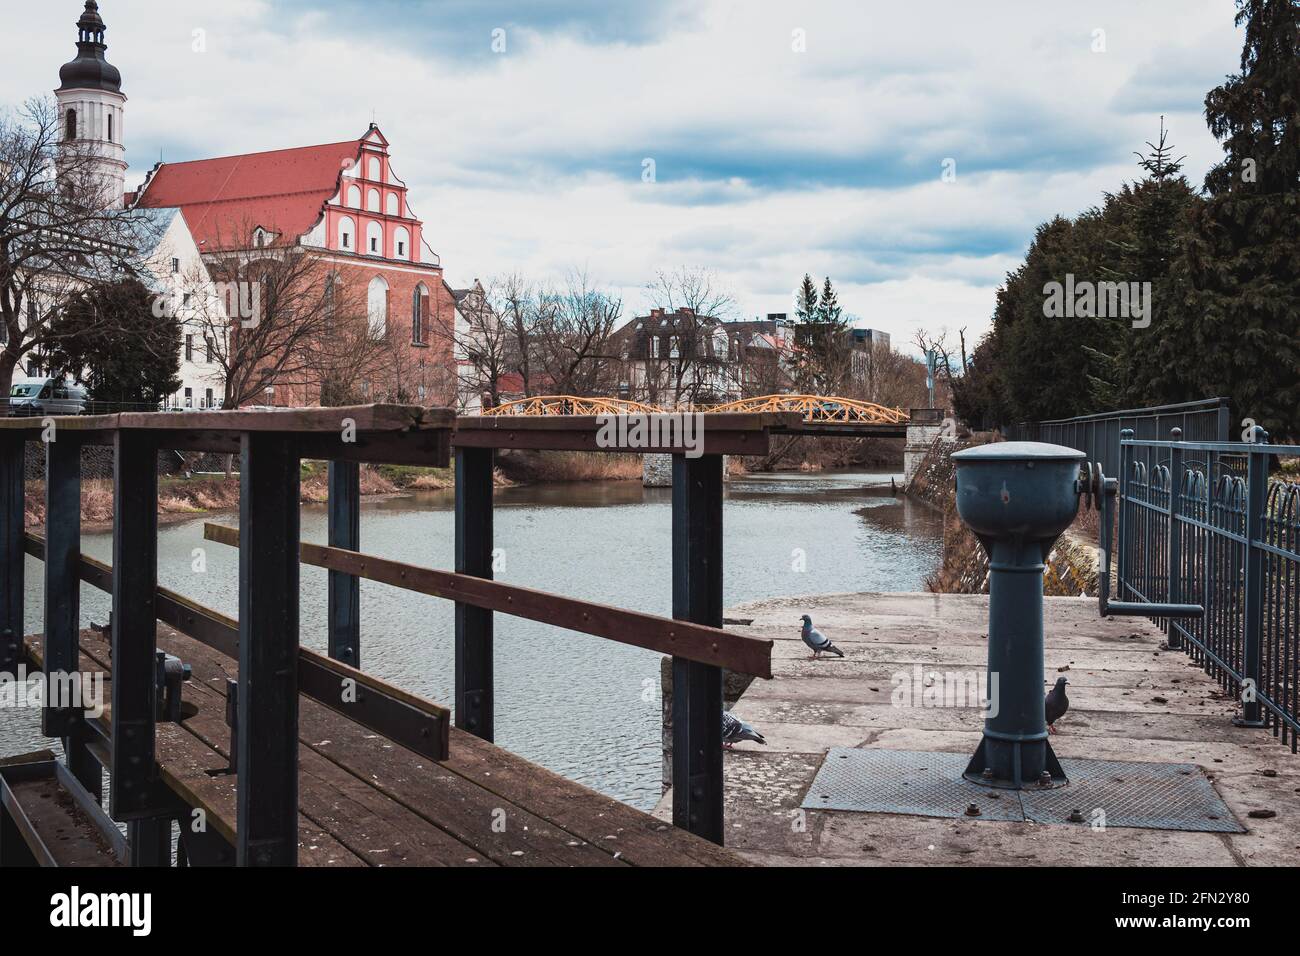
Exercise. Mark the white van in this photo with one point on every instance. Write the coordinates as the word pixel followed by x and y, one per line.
pixel 46 396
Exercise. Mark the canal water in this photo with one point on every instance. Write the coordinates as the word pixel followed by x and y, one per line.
pixel 587 708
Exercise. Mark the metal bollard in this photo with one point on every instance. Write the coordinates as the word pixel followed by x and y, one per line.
pixel 1017 497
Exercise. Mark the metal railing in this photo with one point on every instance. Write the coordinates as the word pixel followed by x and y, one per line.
pixel 1098 436
pixel 1200 523
pixel 273 670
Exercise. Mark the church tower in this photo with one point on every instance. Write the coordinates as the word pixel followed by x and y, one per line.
pixel 91 107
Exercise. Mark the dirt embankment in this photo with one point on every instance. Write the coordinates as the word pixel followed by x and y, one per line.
pixel 1071 567
pixel 527 467
pixel 181 498
pixel 811 454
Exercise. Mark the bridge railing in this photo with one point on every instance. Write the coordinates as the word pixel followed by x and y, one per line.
pixel 273 668
pixel 1098 435
pixel 1200 523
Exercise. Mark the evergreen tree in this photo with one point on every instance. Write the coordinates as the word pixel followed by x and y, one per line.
pixel 109 339
pixel 1144 224
pixel 1239 275
pixel 829 311
pixel 806 308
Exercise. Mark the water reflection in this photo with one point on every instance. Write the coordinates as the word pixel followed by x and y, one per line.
pixel 587 708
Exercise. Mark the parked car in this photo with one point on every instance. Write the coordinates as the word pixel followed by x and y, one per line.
pixel 46 396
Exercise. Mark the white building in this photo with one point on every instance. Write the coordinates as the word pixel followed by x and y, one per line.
pixel 92 109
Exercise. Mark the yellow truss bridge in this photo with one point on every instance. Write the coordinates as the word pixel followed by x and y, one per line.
pixel 549 405
pixel 815 409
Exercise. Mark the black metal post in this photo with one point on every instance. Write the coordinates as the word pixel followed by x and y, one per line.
pixel 345 589
pixel 1123 511
pixel 13 557
pixel 149 842
pixel 474 703
pixel 1256 498
pixel 267 824
pixel 61 647
pixel 697 688
pixel 133 776
pixel 1177 474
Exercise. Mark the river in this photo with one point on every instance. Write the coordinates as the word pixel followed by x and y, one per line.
pixel 586 708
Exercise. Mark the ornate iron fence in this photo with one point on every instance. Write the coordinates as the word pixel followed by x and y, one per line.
pixel 1098 436
pixel 1201 523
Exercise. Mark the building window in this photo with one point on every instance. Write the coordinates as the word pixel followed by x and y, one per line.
pixel 418 307
pixel 189 398
pixel 347 230
pixel 189 348
pixel 375 239
pixel 401 241
pixel 207 399
pixel 110 127
pixel 377 306
pixel 70 129
pixel 207 349
pixel 330 282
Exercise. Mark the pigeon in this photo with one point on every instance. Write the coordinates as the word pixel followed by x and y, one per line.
pixel 819 642
pixel 734 730
pixel 1056 703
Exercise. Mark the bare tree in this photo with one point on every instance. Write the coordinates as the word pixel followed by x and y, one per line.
pixel 697 366
pixel 280 316
pixel 571 342
pixel 937 344
pixel 61 230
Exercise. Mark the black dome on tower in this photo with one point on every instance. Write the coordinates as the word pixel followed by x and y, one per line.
pixel 90 71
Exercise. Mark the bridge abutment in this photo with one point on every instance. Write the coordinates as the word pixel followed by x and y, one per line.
pixel 926 425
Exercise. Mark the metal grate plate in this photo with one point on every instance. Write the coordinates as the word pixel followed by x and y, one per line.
pixel 902 781
pixel 1115 793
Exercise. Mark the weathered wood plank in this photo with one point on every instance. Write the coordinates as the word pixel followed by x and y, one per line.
pixel 728 433
pixel 696 642
pixel 496 828
pixel 193 770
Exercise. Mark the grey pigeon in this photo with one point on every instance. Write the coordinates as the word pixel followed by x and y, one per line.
pixel 1056 703
pixel 735 730
pixel 819 642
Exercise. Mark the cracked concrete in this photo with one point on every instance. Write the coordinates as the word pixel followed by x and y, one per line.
pixel 1129 700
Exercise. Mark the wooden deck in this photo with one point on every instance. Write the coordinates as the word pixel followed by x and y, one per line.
pixel 1129 700
pixel 367 801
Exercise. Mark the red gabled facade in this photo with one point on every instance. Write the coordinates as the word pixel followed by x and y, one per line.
pixel 343 203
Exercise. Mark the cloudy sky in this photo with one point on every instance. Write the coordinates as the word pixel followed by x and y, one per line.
pixel 785 137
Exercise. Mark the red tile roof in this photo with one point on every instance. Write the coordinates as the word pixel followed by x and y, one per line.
pixel 223 200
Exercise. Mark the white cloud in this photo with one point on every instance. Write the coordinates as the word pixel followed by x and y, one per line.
pixel 770 162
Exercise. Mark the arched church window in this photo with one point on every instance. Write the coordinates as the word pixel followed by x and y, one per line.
pixel 347 233
pixel 418 308
pixel 375 239
pixel 377 306
pixel 401 243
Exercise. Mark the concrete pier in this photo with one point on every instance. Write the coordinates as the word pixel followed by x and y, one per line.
pixel 1130 700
